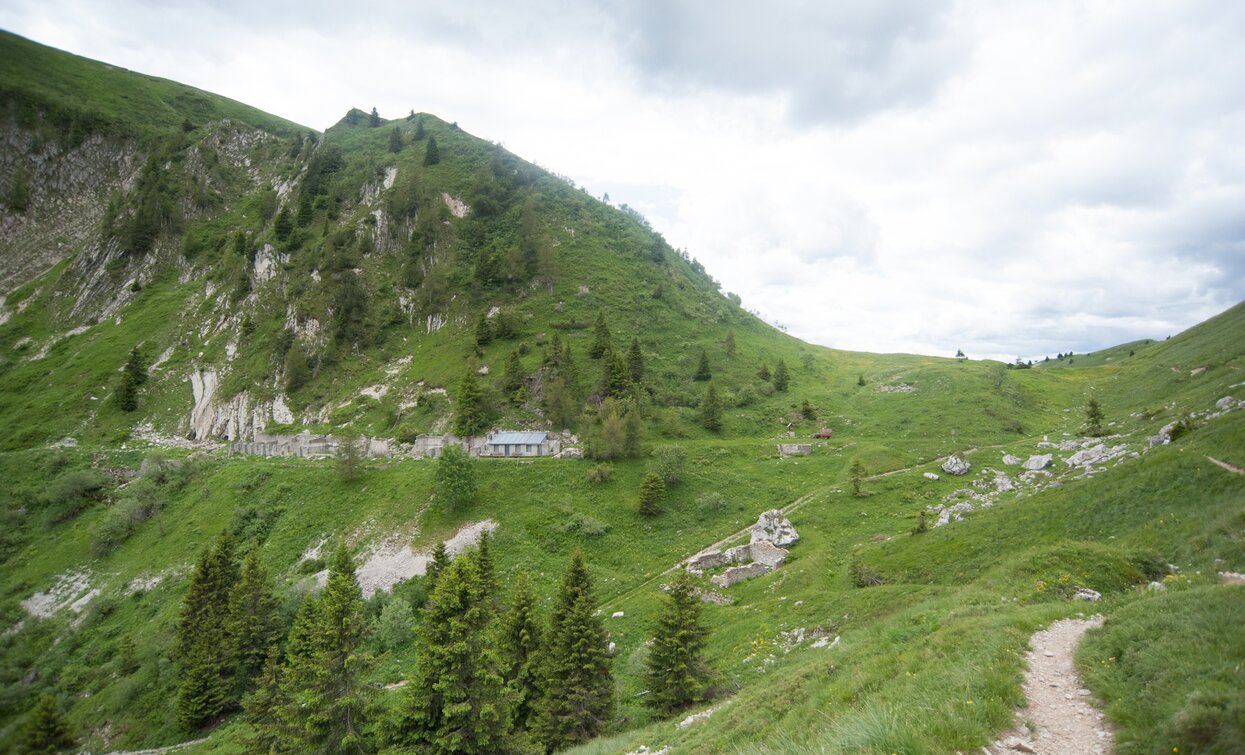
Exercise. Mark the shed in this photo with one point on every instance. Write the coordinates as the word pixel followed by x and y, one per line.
pixel 517 443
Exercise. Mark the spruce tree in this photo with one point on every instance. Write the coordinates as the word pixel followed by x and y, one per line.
pixel 614 379
pixel 781 379
pixel 306 210
pixel 763 373
pixel 326 698
pixel 253 623
pixel 559 407
pixel 440 562
pixel 857 473
pixel 284 224
pixel 676 671
pixel 702 368
pixel 512 379
pixel 263 706
pixel 486 567
pixel 45 730
pixel 633 428
pixel 374 119
pixel 635 362
pixel 579 684
pixel 455 477
pixel 469 407
pixel 652 491
pixel 601 343
pixel 521 648
pixel 432 155
pixel 484 330
pixel 711 409
pixel 420 132
pixel 395 140
pixel 205 686
pixel 135 367
pixel 1093 419
pixel 729 343
pixel 456 702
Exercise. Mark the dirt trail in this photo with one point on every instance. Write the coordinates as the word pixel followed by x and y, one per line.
pixel 1063 720
pixel 1226 465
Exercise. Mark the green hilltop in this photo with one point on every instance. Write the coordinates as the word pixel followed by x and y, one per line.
pixel 358 281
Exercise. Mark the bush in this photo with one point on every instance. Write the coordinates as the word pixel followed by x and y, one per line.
pixel 579 524
pixel 600 473
pixel 652 491
pixel 863 575
pixel 69 494
pixel 710 503
pixel 667 463
pixel 311 566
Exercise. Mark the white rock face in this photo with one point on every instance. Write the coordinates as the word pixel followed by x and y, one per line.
pixel 775 528
pixel 1034 463
pixel 956 466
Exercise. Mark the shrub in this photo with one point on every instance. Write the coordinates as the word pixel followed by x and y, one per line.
pixel 863 575
pixel 710 503
pixel 652 491
pixel 69 494
pixel 667 463
pixel 600 473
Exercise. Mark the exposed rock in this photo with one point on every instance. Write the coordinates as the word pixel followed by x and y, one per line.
pixel 717 598
pixel 1225 403
pixel 1011 461
pixel 1003 483
pixel 1088 595
pixel 795 449
pixel 1231 578
pixel 772 526
pixel 956 466
pixel 1156 587
pixel 701 716
pixel 458 208
pixel 1037 462
pixel 618 615
pixel 762 552
pixel 704 561
pixel 931 476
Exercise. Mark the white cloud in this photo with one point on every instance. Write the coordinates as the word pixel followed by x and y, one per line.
pixel 1013 178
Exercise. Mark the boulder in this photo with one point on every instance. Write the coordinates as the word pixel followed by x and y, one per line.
pixel 775 528
pixel 956 466
pixel 1034 463
pixel 1225 403
pixel 1087 456
pixel 1011 461
pixel 1088 595
pixel 931 476
pixel 765 552
pixel 617 615
pixel 1003 483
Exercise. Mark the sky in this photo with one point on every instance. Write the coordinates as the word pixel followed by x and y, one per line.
pixel 924 176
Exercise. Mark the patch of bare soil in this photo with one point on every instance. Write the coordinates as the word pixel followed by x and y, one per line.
pixel 1060 719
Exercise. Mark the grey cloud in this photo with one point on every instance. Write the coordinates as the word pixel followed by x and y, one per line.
pixel 836 61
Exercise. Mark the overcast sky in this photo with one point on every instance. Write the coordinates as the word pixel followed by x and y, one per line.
pixel 1006 178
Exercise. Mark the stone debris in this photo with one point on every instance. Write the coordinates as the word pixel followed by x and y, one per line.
pixel 1037 462
pixel 618 615
pixel 72 590
pixel 775 528
pixel 956 466
pixel 1231 578
pixel 932 476
pixel 770 537
pixel 795 449
pixel 1011 461
pixel 1003 483
pixel 739 574
pixel 1088 595
pixel 394 561
pixel 1225 404
pixel 643 750
pixel 693 718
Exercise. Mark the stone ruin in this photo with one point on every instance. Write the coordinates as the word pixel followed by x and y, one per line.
pixel 771 536
pixel 795 449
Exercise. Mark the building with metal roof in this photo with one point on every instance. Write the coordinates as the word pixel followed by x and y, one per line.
pixel 517 443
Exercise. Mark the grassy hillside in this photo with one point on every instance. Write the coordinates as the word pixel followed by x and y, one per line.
pixel 375 265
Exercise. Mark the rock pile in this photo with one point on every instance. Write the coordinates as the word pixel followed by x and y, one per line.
pixel 956 466
pixel 766 551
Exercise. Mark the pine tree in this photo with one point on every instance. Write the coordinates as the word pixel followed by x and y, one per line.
pixel 263 706
pixel 512 379
pixel 45 730
pixel 326 698
pixel 306 210
pixel 484 563
pixel 253 623
pixel 579 685
pixel 676 671
pixel 455 477
pixel 763 373
pixel 296 369
pixel 127 393
pixel 612 436
pixel 635 362
pixel 469 407
pixel 431 155
pixel 858 477
pixel 702 369
pixel 807 411
pixel 374 119
pixel 521 649
pixel 652 491
pixel 781 378
pixel 729 343
pixel 601 343
pixel 559 407
pixel 440 562
pixel 457 701
pixel 711 409
pixel 420 132
pixel 348 457
pixel 135 367
pixel 395 140
pixel 614 379
pixel 204 689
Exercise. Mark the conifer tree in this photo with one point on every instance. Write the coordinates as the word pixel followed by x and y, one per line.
pixel 633 428
pixel 729 343
pixel 420 132
pixel 781 379
pixel 484 330
pixel 652 491
pixel 570 373
pixel 440 561
pixel 204 688
pixel 702 369
pixel 579 684
pixel 559 407
pixel 635 362
pixel 326 698
pixel 512 379
pixel 614 379
pixel 45 730
pixel 1093 419
pixel 763 373
pixel 135 367
pixel 521 649
pixel 395 140
pixel 601 342
pixel 455 477
pixel 284 224
pixel 610 441
pixel 469 407
pixel 263 705
pixel 374 119
pixel 432 155
pixel 306 211
pixel 253 623
pixel 711 409
pixel 857 473
pixel 676 671
pixel 457 701
pixel 484 563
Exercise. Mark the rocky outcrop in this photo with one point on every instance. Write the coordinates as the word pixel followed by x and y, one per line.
pixel 956 466
pixel 766 551
pixel 1011 461
pixel 1036 462
pixel 774 528
pixel 239 418
pixel 795 449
